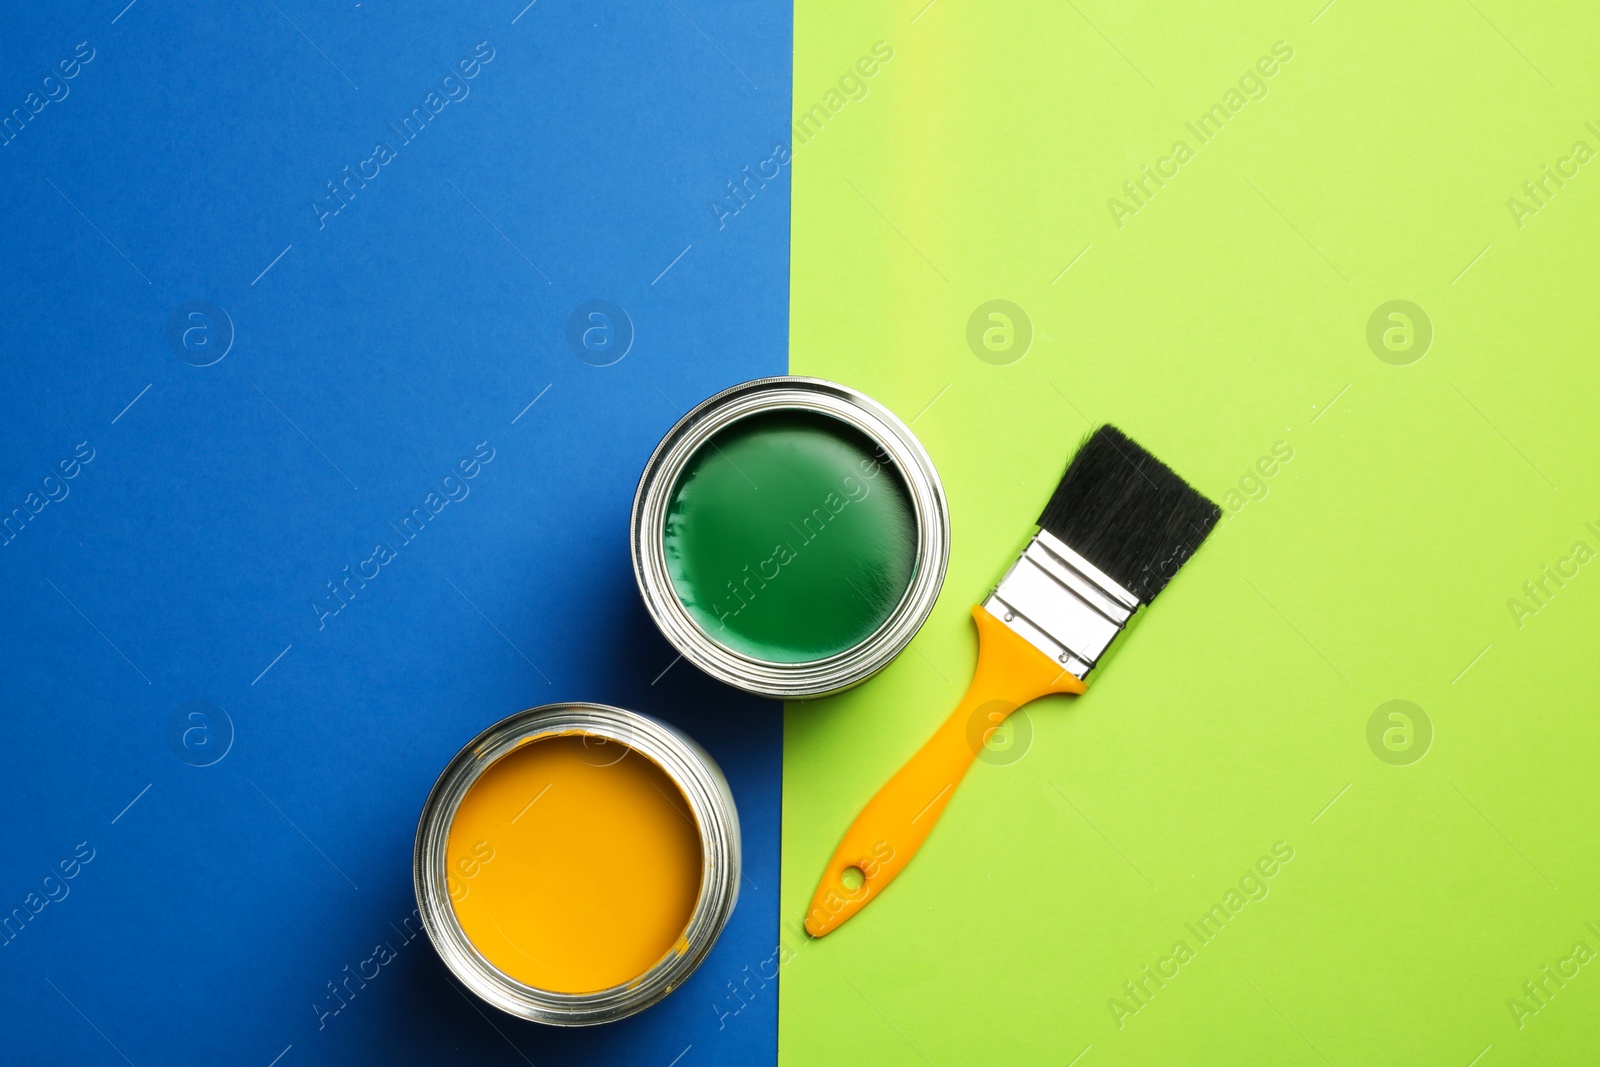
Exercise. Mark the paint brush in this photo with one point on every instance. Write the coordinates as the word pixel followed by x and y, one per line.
pixel 1115 532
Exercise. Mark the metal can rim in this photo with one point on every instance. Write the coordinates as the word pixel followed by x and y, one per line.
pixel 704 788
pixel 812 678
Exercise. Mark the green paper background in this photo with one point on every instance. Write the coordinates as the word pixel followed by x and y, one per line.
pixel 1228 314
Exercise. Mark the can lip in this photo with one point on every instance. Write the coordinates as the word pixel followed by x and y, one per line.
pixel 811 678
pixel 703 786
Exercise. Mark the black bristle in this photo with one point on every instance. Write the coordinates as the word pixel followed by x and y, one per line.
pixel 1127 513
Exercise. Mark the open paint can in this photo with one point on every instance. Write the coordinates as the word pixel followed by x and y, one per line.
pixel 789 536
pixel 574 863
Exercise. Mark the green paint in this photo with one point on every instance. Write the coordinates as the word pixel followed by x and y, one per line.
pixel 789 539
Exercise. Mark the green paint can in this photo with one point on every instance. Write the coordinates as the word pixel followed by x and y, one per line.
pixel 789 536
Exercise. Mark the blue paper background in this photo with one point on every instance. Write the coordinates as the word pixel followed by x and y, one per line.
pixel 376 352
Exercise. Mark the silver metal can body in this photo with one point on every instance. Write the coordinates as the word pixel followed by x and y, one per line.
pixel 896 444
pixel 689 766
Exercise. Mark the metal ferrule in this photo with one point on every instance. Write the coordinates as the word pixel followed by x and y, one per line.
pixel 1061 604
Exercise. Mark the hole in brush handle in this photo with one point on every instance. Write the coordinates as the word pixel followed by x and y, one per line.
pixel 869 871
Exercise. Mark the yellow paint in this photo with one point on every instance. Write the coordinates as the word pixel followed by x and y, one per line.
pixel 573 868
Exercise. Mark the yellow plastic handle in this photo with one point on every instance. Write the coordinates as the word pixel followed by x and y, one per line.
pixel 894 823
